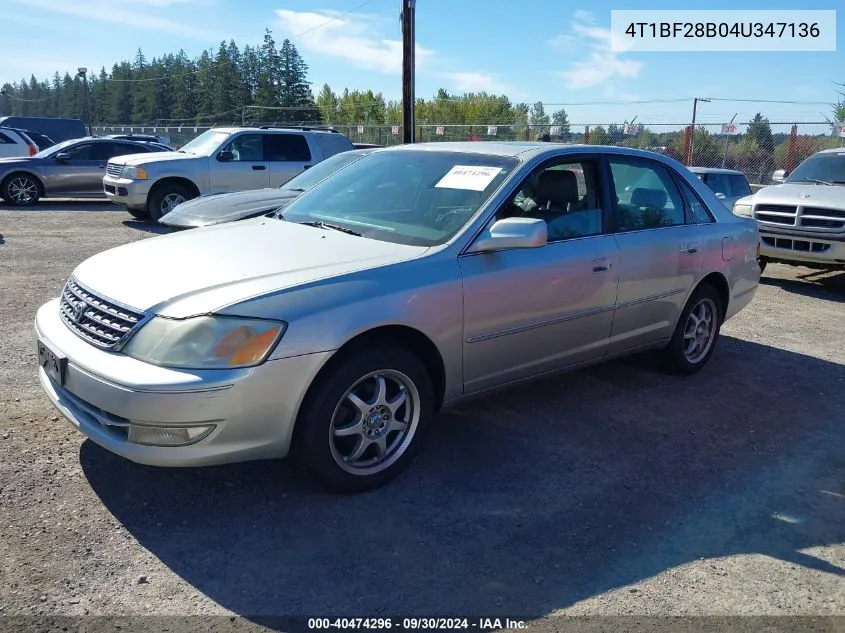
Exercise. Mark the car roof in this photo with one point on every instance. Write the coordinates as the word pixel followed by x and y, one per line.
pixel 714 170
pixel 525 149
pixel 835 150
pixel 280 128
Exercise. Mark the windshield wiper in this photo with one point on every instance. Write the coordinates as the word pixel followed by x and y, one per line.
pixel 296 189
pixel 335 227
pixel 816 180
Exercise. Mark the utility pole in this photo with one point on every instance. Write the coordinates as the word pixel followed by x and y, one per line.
pixel 83 73
pixel 8 102
pixel 695 101
pixel 408 67
pixel 727 137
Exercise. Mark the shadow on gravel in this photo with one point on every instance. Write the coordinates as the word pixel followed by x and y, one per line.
pixel 828 285
pixel 148 227
pixel 62 204
pixel 523 503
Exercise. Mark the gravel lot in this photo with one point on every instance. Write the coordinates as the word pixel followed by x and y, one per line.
pixel 611 491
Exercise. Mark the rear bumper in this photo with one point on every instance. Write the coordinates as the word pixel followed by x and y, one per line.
pixel 132 193
pixel 798 247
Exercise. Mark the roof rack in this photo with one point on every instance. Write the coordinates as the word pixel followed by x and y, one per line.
pixel 305 128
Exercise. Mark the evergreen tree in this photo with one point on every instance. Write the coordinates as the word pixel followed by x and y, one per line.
pixel 294 89
pixel 760 132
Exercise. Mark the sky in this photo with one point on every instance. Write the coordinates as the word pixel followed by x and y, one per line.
pixel 554 51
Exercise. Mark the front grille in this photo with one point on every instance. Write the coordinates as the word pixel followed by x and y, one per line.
pixel 788 243
pixel 814 217
pixel 96 319
pixel 114 170
pixel 776 214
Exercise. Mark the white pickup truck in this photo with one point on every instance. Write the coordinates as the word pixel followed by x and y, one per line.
pixel 802 221
pixel 217 161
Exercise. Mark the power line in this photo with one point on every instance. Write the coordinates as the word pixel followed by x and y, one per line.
pixel 772 101
pixel 8 94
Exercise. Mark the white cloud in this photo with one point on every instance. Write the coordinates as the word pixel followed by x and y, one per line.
pixel 352 39
pixel 475 82
pixel 602 64
pixel 127 14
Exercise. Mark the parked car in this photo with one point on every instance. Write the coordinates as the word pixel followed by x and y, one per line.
pixel 217 161
pixel 56 128
pixel 413 278
pixel 220 208
pixel 72 168
pixel 728 185
pixel 802 221
pixel 14 143
pixel 41 141
pixel 150 138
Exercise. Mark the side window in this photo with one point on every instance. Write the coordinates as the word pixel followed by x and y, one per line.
pixel 5 140
pixel 247 147
pixel 646 196
pixel 287 147
pixel 80 152
pixel 740 185
pixel 719 183
pixel 698 213
pixel 566 196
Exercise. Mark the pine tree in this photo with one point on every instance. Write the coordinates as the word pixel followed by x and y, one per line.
pixel 294 89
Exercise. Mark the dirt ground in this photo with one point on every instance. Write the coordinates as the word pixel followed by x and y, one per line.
pixel 606 492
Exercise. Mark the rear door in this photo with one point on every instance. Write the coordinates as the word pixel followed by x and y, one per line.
pixel 247 170
pixel 288 154
pixel 81 173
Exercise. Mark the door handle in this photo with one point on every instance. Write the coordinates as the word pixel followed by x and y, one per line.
pixel 601 265
pixel 306 167
pixel 692 247
pixel 259 167
pixel 101 166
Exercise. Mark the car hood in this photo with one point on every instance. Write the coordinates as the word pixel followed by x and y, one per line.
pixel 145 158
pixel 196 272
pixel 809 195
pixel 220 208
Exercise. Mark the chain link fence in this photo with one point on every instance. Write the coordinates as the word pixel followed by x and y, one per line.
pixel 756 151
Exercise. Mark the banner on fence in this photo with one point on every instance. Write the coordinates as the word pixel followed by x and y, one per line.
pixel 360 129
pixel 394 130
pixel 840 130
pixel 730 128
pixel 630 129
pixel 440 130
pixel 554 130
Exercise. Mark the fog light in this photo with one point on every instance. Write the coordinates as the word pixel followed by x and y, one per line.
pixel 167 435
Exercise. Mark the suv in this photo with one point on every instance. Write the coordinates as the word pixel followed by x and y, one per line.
pixel 14 143
pixel 802 221
pixel 728 185
pixel 217 161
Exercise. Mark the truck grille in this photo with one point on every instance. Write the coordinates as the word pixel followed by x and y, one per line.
pixel 98 320
pixel 803 246
pixel 114 170
pixel 832 220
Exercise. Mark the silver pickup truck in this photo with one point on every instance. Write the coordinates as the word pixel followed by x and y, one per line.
pixel 217 161
pixel 802 221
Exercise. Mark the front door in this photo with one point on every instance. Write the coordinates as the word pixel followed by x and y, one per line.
pixel 529 311
pixel 247 170
pixel 660 253
pixel 79 173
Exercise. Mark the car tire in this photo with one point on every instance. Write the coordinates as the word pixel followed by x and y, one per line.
pixel 165 197
pixel 696 333
pixel 331 428
pixel 21 190
pixel 138 214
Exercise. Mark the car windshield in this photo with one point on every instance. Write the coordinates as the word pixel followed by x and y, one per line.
pixel 205 143
pixel 321 171
pixel 826 168
pixel 415 197
pixel 54 149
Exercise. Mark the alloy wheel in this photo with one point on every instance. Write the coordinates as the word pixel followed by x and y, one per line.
pixel 700 330
pixel 22 190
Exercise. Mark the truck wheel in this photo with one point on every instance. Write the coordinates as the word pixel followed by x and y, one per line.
pixel 164 198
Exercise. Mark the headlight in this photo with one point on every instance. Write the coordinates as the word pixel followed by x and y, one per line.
pixel 744 210
pixel 134 173
pixel 205 342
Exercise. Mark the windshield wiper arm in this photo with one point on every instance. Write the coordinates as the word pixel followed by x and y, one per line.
pixel 335 227
pixel 821 182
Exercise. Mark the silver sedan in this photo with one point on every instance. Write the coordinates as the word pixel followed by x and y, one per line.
pixel 412 279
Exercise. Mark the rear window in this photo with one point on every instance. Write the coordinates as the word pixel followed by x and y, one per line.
pixel 6 140
pixel 286 147
pixel 331 144
pixel 740 185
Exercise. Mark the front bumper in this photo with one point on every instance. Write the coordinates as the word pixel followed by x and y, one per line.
pixel 253 410
pixel 131 193
pixel 801 247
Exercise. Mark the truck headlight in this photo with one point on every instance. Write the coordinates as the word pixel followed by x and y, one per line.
pixel 205 342
pixel 134 173
pixel 744 210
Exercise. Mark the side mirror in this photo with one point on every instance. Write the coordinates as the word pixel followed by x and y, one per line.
pixel 512 233
pixel 62 157
pixel 225 156
pixel 721 196
pixel 779 175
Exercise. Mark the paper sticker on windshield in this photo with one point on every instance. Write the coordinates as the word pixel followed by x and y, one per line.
pixel 468 177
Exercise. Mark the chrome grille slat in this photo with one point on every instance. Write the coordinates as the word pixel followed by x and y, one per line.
pixel 114 170
pixel 102 322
